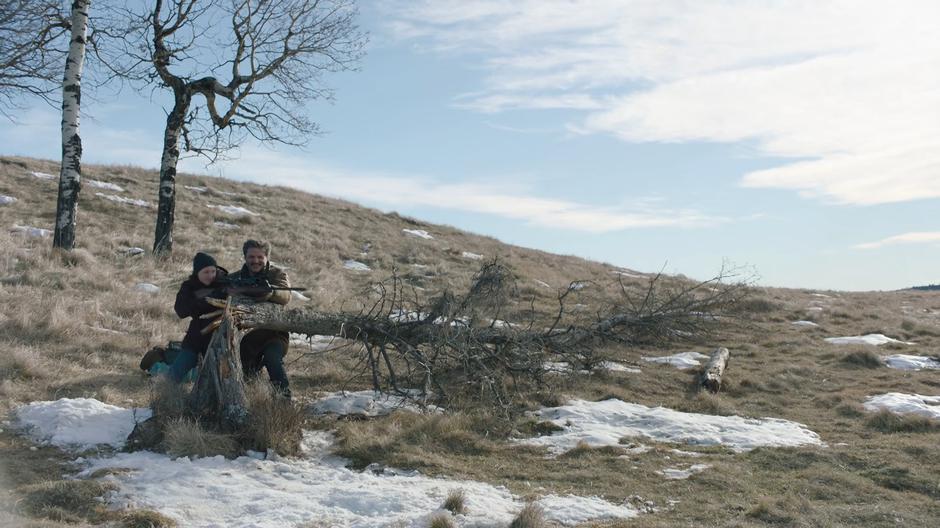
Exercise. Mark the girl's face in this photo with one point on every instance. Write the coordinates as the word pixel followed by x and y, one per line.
pixel 207 274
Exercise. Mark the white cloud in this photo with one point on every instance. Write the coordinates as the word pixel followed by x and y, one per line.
pixel 849 89
pixel 919 237
pixel 517 203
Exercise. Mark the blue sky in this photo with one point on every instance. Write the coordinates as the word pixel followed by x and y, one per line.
pixel 800 138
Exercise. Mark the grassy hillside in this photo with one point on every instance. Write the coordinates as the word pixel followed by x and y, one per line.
pixel 74 325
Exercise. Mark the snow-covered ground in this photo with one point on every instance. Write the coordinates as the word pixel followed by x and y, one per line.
pixel 418 233
pixel 363 403
pixel 604 423
pixel 683 360
pixel 355 265
pixel 225 225
pixel 900 403
pixel 869 339
pixel 269 491
pixel 42 175
pixel 563 367
pixel 471 256
pixel 804 323
pixel 30 231
pixel 123 200
pixel 908 362
pixel 233 210
pixel 678 473
pixel 146 287
pixel 105 185
pixel 6 200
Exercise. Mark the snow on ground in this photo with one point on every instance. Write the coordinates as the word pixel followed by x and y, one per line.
pixel 195 188
pixel 563 367
pixel 259 491
pixel 225 225
pixel 814 309
pixel 296 295
pixel 900 403
pixel 6 200
pixel 683 360
pixel 233 210
pixel 132 251
pixel 30 231
pixel 907 362
pixel 146 287
pixel 317 343
pixel 823 295
pixel 604 423
pixel 679 474
pixel 617 367
pixel 123 200
pixel 364 403
pixel 575 286
pixel 543 284
pixel 79 423
pixel 42 175
pixel 869 339
pixel 419 233
pixel 804 323
pixel 627 274
pixel 105 185
pixel 471 256
pixel 355 265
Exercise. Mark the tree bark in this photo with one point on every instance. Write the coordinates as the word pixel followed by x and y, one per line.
pixel 219 391
pixel 166 208
pixel 715 369
pixel 70 173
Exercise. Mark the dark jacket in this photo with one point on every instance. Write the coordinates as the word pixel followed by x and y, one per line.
pixel 255 341
pixel 188 305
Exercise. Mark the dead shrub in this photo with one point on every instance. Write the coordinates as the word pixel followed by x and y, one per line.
pixel 274 422
pixel 889 422
pixel 755 305
pixel 862 359
pixel 442 520
pixel 187 437
pixel 146 519
pixel 456 502
pixel 531 516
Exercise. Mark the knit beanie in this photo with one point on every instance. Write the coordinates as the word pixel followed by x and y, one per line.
pixel 202 260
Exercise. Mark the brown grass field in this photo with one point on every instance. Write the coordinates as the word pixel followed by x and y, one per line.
pixel 73 325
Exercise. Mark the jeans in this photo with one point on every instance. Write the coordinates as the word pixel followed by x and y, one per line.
pixel 185 361
pixel 272 359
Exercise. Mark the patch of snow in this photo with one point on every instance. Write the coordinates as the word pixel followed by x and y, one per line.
pixel 823 295
pixel 680 474
pixel 577 285
pixel 907 362
pixel 6 200
pixel 814 309
pixel 570 510
pixel 419 233
pixel 407 316
pixel 900 403
pixel 196 189
pixel 627 274
pixel 557 366
pixel 105 185
pixel 30 232
pixel 299 296
pixel 869 339
pixel 225 225
pixel 132 251
pixel 123 200
pixel 355 265
pixel 684 360
pixel 365 403
pixel 617 367
pixel 233 210
pixel 543 284
pixel 804 323
pixel 42 175
pixel 471 256
pixel 604 423
pixel 146 287
pixel 317 343
pixel 79 423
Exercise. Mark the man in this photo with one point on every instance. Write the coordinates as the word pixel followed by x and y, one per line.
pixel 262 347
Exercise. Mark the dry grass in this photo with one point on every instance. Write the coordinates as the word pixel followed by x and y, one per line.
pixel 456 502
pixel 531 516
pixel 188 437
pixel 72 325
pixel 442 521
pixel 274 423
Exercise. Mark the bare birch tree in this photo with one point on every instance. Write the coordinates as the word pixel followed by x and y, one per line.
pixel 30 62
pixel 255 64
pixel 70 172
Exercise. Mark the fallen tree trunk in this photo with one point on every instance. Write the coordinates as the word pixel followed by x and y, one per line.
pixel 715 369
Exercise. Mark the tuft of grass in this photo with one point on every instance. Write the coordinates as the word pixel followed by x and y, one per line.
pixel 888 422
pixel 543 428
pixel 862 359
pixel 69 501
pixel 456 502
pixel 146 519
pixel 274 422
pixel 531 516
pixel 187 437
pixel 442 520
pixel 766 512
pixel 706 403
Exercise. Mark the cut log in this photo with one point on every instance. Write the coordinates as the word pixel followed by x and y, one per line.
pixel 715 369
pixel 219 391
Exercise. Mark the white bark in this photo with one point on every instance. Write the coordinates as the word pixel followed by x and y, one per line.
pixel 70 175
pixel 715 369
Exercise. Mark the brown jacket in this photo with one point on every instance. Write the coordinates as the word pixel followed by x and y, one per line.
pixel 255 341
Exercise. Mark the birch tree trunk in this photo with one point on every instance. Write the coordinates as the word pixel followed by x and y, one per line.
pixel 166 208
pixel 70 174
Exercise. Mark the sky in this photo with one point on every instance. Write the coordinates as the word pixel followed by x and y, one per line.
pixel 800 138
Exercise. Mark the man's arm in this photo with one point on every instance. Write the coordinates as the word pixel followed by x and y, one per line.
pixel 278 278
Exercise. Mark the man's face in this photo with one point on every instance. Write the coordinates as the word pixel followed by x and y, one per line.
pixel 256 260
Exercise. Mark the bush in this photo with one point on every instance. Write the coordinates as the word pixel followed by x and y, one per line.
pixel 862 359
pixel 888 422
pixel 187 437
pixel 456 502
pixel 530 517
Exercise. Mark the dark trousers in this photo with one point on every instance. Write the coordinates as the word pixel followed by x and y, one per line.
pixel 271 357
